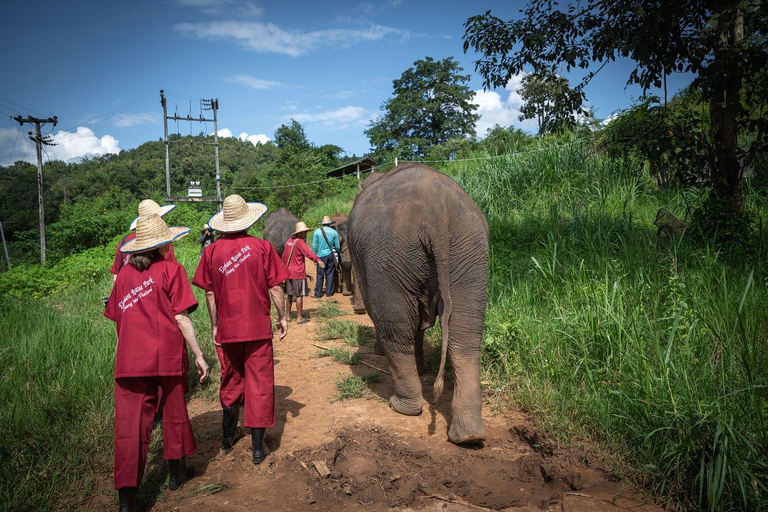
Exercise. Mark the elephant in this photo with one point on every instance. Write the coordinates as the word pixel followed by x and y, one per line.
pixel 344 275
pixel 419 247
pixel 279 227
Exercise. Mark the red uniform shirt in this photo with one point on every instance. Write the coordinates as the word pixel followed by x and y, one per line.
pixel 144 305
pixel 240 269
pixel 296 267
pixel 121 258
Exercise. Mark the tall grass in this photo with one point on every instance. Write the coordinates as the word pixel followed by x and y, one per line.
pixel 655 349
pixel 57 387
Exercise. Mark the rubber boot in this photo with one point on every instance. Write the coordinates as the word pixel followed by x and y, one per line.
pixel 257 440
pixel 230 417
pixel 178 471
pixel 127 496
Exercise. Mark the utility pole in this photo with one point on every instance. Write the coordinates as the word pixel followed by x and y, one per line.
pixel 206 104
pixel 39 140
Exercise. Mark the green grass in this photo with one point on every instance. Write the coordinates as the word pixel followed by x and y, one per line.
pixel 355 386
pixel 349 332
pixel 329 309
pixel 340 355
pixel 653 350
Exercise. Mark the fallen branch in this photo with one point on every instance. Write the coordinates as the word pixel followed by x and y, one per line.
pixel 457 501
pixel 359 360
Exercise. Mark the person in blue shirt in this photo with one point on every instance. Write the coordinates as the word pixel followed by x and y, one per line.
pixel 326 248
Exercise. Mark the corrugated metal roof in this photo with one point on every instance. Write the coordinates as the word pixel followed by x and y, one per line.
pixel 351 168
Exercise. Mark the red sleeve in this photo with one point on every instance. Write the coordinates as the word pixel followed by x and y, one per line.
pixel 306 251
pixel 179 291
pixel 111 310
pixel 274 267
pixel 203 278
pixel 118 263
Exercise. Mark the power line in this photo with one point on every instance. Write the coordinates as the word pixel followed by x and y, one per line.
pixel 14 145
pixel 20 106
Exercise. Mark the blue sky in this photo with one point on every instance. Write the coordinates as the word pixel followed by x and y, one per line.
pixel 99 67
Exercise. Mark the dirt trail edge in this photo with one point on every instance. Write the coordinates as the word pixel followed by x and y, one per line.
pixel 358 454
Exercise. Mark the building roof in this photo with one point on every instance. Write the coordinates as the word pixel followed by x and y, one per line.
pixel 365 164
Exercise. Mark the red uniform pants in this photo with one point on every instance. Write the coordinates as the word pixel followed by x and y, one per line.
pixel 249 378
pixel 136 401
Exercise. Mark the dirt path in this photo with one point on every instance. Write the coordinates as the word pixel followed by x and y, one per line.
pixel 378 459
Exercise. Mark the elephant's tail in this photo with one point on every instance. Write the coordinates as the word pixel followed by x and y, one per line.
pixel 444 284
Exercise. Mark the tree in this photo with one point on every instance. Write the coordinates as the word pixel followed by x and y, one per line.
pixel 431 104
pixel 292 136
pixel 722 42
pixel 550 100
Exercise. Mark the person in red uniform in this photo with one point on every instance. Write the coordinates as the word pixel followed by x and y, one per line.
pixel 293 257
pixel 146 207
pixel 239 274
pixel 150 304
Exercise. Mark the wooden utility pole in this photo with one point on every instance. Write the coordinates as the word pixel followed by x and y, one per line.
pixel 211 104
pixel 39 140
pixel 5 247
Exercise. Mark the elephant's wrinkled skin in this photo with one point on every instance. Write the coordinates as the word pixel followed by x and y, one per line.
pixel 344 275
pixel 279 227
pixel 419 247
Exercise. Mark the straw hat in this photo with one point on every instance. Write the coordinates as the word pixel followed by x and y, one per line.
pixel 152 232
pixel 326 221
pixel 237 215
pixel 300 228
pixel 148 207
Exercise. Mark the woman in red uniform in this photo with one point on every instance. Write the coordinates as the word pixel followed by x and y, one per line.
pixel 150 303
pixel 240 273
pixel 293 256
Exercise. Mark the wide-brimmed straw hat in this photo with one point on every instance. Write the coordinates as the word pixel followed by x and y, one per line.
pixel 152 232
pixel 148 207
pixel 300 228
pixel 236 215
pixel 326 221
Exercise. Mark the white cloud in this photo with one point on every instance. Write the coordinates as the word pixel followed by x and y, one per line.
pixel 218 6
pixel 225 133
pixel 502 108
pixel 74 146
pixel 253 82
pixel 70 147
pixel 269 38
pixel 254 139
pixel 339 119
pixel 128 120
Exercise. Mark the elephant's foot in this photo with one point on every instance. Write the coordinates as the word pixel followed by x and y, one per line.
pixel 378 349
pixel 467 431
pixel 359 310
pixel 346 293
pixel 408 408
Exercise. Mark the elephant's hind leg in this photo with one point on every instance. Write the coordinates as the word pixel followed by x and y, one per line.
pixel 397 334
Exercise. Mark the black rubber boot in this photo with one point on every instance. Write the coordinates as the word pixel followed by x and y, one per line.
pixel 178 471
pixel 259 450
pixel 230 417
pixel 127 496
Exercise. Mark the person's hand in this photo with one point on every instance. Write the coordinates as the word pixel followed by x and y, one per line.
pixel 202 367
pixel 320 264
pixel 283 323
pixel 214 330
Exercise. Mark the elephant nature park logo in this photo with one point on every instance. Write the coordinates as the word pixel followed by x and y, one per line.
pixel 136 294
pixel 235 261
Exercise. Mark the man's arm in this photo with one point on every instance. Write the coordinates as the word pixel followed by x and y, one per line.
pixel 210 301
pixel 188 331
pixel 278 299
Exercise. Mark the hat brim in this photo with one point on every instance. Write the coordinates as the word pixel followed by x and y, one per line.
pixel 301 231
pixel 134 247
pixel 255 212
pixel 163 210
pixel 327 223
